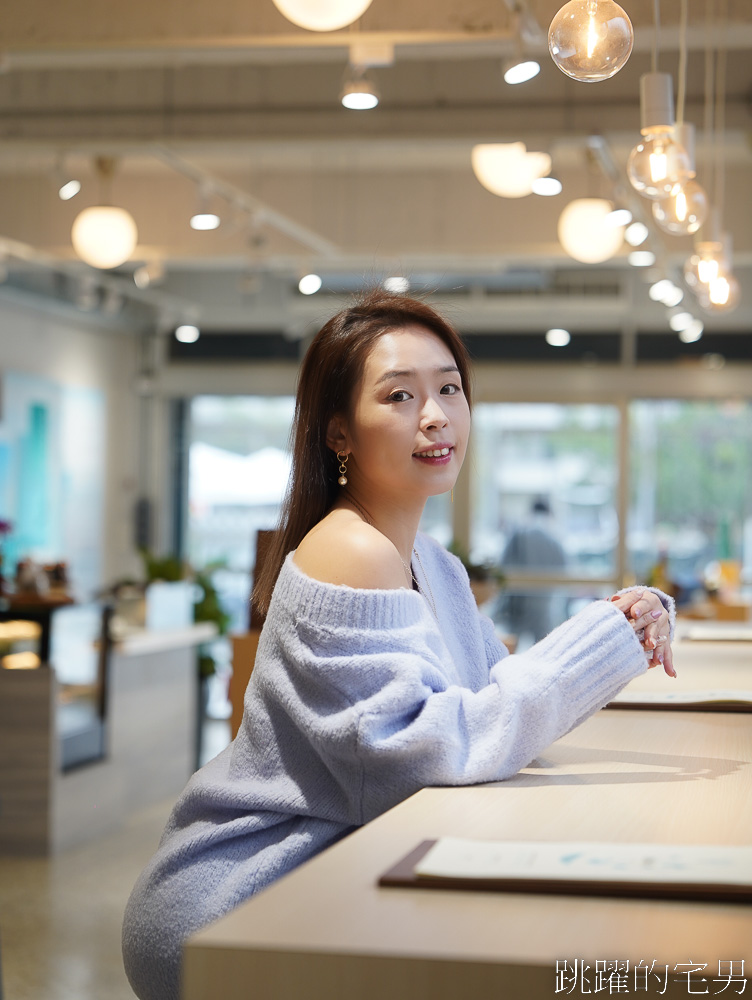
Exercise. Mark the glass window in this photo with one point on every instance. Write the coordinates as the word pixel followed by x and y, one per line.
pixel 551 470
pixel 238 467
pixel 690 511
pixel 544 483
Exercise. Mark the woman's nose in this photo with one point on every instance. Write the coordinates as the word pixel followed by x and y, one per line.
pixel 433 414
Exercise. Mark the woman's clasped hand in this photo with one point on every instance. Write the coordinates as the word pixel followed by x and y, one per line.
pixel 650 620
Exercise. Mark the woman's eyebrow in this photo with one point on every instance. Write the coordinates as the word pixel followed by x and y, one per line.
pixel 411 372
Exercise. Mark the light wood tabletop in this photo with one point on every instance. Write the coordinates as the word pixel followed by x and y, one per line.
pixel 328 931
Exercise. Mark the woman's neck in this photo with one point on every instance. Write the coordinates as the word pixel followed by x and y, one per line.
pixel 398 522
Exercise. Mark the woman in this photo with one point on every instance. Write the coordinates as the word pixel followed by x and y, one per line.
pixel 375 675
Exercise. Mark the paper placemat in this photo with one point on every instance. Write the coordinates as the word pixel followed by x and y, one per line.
pixel 713 872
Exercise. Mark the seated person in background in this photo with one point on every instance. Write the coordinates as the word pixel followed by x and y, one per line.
pixel 375 674
pixel 532 546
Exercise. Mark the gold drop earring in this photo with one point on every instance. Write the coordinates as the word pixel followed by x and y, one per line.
pixel 342 458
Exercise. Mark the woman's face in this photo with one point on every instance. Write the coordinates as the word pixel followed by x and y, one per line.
pixel 408 430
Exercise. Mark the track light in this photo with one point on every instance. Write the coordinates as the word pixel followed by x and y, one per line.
pixel 520 70
pixel 68 185
pixel 69 189
pixel 203 219
pixel 359 92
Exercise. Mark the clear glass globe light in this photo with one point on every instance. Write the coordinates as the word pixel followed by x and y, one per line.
pixel 657 167
pixel 704 265
pixel 721 294
pixel 683 213
pixel 590 40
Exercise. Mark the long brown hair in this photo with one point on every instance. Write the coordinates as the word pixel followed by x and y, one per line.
pixel 330 373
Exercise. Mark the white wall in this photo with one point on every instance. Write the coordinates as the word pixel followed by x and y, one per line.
pixel 72 352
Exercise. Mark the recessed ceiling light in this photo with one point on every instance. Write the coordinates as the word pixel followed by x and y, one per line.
pixel 681 321
pixel 309 284
pixel 619 217
pixel 546 186
pixel 558 337
pixel 636 234
pixel 187 333
pixel 692 332
pixel 641 258
pixel 397 284
pixel 204 221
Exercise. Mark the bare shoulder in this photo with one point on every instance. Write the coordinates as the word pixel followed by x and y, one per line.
pixel 343 549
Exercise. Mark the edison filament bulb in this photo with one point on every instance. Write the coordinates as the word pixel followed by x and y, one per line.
pixel 705 264
pixel 683 213
pixel 590 40
pixel 658 166
pixel 721 294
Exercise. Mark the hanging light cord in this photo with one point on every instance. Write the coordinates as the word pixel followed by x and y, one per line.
pixel 720 110
pixel 656 33
pixel 708 123
pixel 682 88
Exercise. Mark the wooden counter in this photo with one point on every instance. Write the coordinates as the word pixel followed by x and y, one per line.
pixel 327 932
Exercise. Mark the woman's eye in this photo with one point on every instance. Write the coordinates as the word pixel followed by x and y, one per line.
pixel 399 396
pixel 450 389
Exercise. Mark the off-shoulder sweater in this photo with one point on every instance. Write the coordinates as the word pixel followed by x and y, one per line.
pixel 358 699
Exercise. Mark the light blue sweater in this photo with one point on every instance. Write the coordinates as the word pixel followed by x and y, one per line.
pixel 358 699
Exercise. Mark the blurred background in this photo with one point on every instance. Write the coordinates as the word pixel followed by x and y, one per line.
pixel 187 194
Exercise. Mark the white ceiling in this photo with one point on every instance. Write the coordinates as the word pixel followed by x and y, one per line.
pixel 232 94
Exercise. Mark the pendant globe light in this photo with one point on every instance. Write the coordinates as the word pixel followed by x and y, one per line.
pixel 322 15
pixel 590 40
pixel 723 293
pixel 683 212
pixel 103 235
pixel 658 165
pixel 587 232
pixel 709 271
pixel 507 169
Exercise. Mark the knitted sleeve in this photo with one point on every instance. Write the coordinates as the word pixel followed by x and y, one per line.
pixel 414 727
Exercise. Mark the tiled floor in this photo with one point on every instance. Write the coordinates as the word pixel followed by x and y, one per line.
pixel 60 917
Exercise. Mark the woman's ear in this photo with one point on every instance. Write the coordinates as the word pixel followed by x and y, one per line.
pixel 336 434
